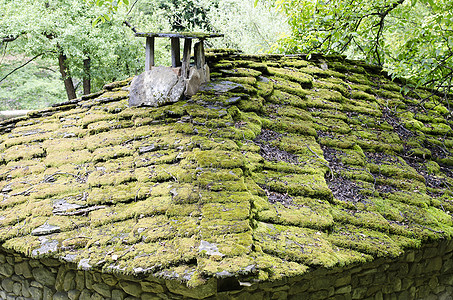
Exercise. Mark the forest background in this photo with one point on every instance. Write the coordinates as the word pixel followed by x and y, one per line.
pixel 51 50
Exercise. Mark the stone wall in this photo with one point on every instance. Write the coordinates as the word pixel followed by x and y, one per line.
pixel 425 273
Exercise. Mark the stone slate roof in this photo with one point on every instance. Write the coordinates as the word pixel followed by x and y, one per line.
pixel 279 166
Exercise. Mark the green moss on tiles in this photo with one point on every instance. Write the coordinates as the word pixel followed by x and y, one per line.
pixel 291 125
pixel 242 80
pixel 331 84
pixel 235 244
pixel 254 104
pixel 27 139
pixel 222 65
pixel 397 169
pixel 307 185
pixel 305 80
pixel 315 217
pixel 209 177
pixel 163 172
pixel 294 112
pixel 302 245
pixel 241 72
pixel 366 219
pixel 226 211
pixel 333 125
pixel 365 240
pixel 99 178
pixel 265 87
pixel 362 95
pixel 318 72
pixel 279 97
pixel 23 152
pixel 218 158
pixel 237 264
pixel 56 159
pixel 288 86
pixel 294 63
pixel 93 116
pixel 338 141
pixel 359 78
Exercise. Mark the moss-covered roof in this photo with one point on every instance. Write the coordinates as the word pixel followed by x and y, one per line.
pixel 279 166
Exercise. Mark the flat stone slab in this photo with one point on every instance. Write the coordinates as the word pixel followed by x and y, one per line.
pixel 221 87
pixel 45 229
pixel 156 87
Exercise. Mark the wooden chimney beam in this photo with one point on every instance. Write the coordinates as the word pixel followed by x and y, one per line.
pixel 186 58
pixel 149 59
pixel 199 54
pixel 175 52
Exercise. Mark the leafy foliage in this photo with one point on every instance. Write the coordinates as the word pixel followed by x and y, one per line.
pixel 412 39
pixel 35 86
pixel 54 26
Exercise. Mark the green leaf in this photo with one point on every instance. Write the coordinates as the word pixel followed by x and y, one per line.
pixel 126 2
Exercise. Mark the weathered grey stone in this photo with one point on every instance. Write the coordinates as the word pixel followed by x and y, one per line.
pixel 85 295
pixel 69 282
pixel 47 293
pixel 89 280
pixel 10 260
pixel 34 263
pixel 156 87
pixel 220 87
pixel 410 256
pixel 60 296
pixel 60 278
pixel 200 292
pixel 73 294
pixel 152 287
pixel 102 289
pixel 359 292
pixel 109 279
pixel 6 270
pixel 7 284
pixel 2 259
pixel 23 268
pixel 3 295
pixel 132 288
pixel 17 289
pixel 343 290
pixel 26 289
pixel 280 295
pixel 434 264
pixel 44 276
pixel 96 296
pixel 343 280
pixel 45 229
pixel 97 277
pixel 80 280
pixel 50 262
pixel 36 284
pixel 148 296
pixel 118 295
pixel 196 78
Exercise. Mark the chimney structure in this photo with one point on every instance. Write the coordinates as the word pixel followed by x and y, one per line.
pixel 158 86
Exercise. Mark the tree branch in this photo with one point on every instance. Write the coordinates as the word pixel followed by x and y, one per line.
pixel 21 66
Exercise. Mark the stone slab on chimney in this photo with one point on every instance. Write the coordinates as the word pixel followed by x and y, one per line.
pixel 156 87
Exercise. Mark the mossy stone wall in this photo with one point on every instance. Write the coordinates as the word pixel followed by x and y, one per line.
pixel 425 273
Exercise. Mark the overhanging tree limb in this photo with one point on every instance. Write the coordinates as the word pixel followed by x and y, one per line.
pixel 21 66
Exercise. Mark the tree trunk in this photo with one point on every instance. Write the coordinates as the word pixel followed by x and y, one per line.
pixel 69 86
pixel 86 76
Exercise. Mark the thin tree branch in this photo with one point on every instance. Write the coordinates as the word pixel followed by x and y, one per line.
pixel 21 66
